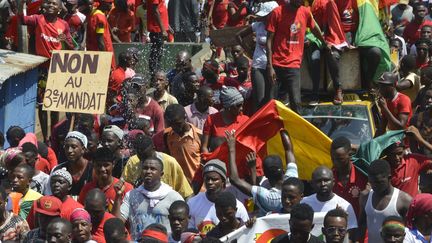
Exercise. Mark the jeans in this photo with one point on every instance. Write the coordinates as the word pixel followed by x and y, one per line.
pixel 288 80
pixel 262 89
pixel 332 62
pixel 156 51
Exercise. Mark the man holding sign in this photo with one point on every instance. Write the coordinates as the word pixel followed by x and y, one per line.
pixel 51 33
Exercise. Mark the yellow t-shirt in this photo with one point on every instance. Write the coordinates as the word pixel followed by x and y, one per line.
pixel 173 173
pixel 413 91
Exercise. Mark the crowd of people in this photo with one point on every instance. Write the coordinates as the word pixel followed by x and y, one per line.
pixel 137 173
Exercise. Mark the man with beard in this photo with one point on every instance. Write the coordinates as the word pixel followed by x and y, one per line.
pixel 325 199
pixel 149 203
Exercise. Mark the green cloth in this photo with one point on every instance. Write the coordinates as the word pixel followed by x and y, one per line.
pixel 371 150
pixel 370 34
pixel 312 38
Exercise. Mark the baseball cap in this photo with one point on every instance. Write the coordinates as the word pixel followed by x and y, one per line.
pixel 266 8
pixel 215 165
pixel 48 205
pixel 387 78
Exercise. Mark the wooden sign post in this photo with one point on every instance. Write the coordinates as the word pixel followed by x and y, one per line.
pixel 78 81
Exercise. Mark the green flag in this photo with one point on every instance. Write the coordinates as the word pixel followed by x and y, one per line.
pixel 371 150
pixel 370 34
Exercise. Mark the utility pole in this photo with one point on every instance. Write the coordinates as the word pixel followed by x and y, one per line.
pixel 22 30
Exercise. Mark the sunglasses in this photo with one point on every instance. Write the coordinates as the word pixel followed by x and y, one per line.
pixel 332 230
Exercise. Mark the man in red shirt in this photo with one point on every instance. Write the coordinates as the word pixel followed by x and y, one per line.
pixel 286 29
pixel 51 33
pixel 122 22
pixel 412 31
pixel 406 168
pixel 349 181
pixel 98 32
pixel 95 205
pixel 395 107
pixel 237 13
pixel 117 77
pixel 157 25
pixel 103 164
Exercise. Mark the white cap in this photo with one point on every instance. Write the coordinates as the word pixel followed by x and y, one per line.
pixel 266 8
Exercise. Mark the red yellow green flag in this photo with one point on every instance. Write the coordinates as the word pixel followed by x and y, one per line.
pixel 261 134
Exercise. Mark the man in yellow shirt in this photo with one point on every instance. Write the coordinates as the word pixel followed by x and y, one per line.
pixel 173 173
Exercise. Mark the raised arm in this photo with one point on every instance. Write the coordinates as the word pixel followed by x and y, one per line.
pixel 241 184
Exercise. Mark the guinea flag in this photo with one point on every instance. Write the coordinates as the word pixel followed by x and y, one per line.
pixel 261 133
pixel 370 34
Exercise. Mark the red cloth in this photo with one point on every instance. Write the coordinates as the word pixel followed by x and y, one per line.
pixel 400 104
pixel 152 25
pixel 326 15
pixel 351 191
pixel 289 27
pixel 348 12
pixel 216 127
pixel 47 33
pixel 116 79
pixel 75 24
pixel 97 231
pixel 52 159
pixel 109 191
pixel 155 113
pixel 405 176
pixel 125 22
pixel 43 165
pixel 412 31
pixel 66 210
pixel 420 205
pixel 220 13
pixel 243 14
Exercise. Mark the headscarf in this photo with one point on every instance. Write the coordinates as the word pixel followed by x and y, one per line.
pixel 8 155
pixel 80 214
pixel 230 97
pixel 77 135
pixel 420 205
pixel 63 173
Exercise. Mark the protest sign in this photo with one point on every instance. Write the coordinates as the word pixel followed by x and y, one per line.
pixel 268 227
pixel 77 81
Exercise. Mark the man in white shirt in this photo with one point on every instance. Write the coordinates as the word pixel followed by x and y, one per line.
pixel 325 200
pixel 202 209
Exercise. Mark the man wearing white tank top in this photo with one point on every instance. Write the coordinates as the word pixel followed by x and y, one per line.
pixel 382 201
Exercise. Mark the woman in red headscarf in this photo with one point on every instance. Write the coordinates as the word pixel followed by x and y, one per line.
pixel 419 219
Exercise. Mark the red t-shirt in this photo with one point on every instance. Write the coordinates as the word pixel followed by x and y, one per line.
pixel 351 191
pixel 412 31
pixel 47 34
pixel 216 127
pixel 348 11
pixel 97 232
pixel 400 104
pixel 216 87
pixel 116 79
pixel 289 26
pixel 98 24
pixel 405 176
pixel 155 114
pixel 152 25
pixel 109 191
pixel 220 13
pixel 125 22
pixel 241 21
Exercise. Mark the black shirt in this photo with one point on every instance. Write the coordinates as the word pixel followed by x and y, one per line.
pixel 284 238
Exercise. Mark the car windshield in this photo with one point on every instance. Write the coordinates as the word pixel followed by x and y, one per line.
pixel 351 121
